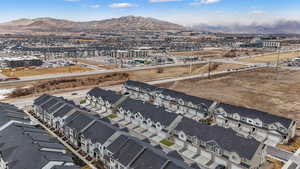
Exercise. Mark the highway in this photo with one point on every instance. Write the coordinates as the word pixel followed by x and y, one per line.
pixel 121 70
pixel 81 93
pixel 99 71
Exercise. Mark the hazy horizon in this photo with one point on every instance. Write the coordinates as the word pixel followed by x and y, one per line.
pixel 184 12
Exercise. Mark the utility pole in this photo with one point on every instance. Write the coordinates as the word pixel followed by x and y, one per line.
pixel 209 69
pixel 191 63
pixel 277 61
pixel 278 54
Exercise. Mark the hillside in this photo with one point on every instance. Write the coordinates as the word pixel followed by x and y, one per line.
pixel 51 25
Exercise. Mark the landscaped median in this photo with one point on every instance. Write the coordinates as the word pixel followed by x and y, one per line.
pixel 166 142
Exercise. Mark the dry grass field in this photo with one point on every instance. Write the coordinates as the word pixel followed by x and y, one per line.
pixel 275 163
pixel 271 57
pixel 43 71
pixel 293 145
pixel 264 89
pixel 218 53
pixel 89 62
pixel 179 71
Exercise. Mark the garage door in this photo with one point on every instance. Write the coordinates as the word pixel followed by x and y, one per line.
pixel 152 130
pixel 246 129
pixel 235 167
pixel 179 142
pixel 274 138
pixel 220 161
pixel 206 154
pixel 261 134
pixel 162 134
pixel 192 148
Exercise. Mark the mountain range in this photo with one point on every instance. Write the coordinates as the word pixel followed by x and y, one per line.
pixel 279 27
pixel 128 23
pixel 138 23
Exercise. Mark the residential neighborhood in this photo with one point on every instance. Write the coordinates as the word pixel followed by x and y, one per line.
pixel 149 84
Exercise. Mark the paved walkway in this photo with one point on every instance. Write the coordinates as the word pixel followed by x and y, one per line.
pixel 279 154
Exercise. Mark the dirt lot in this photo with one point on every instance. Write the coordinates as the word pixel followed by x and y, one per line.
pixel 293 144
pixel 218 53
pixel 23 72
pixel 275 163
pixel 89 62
pixel 171 72
pixel 262 89
pixel 272 57
pixel 70 83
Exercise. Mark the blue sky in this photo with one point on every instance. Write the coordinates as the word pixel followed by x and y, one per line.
pixel 186 12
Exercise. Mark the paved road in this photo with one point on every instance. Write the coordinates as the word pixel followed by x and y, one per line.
pixel 97 72
pixel 81 93
pixel 279 154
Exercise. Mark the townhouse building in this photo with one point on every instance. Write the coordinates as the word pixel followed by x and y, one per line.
pixel 23 145
pixel 101 140
pixel 219 143
pixel 127 152
pixel 146 117
pixel 190 106
pixel 263 126
pixel 258 124
pixel 102 100
pixel 150 118
pixel 198 141
pixel 213 143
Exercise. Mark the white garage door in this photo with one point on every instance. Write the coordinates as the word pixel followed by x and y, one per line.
pixel 206 154
pixel 246 129
pixel 235 167
pixel 179 142
pixel 274 138
pixel 220 161
pixel 162 134
pixel 261 134
pixel 192 148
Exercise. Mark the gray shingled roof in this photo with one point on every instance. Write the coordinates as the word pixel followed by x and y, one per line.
pixel 142 85
pixel 40 100
pixel 172 93
pixel 25 152
pixel 187 98
pixel 99 131
pixel 80 121
pixel 107 95
pixel 65 167
pixel 63 110
pixel 156 114
pixel 227 139
pixel 9 112
pixel 254 114
pixel 149 160
pixel 142 155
